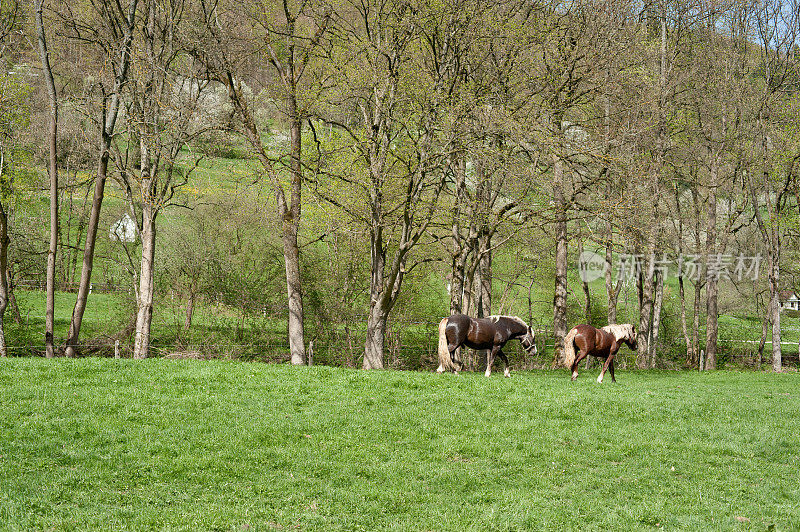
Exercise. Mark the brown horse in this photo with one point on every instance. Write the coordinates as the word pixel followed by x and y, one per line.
pixel 481 333
pixel 603 343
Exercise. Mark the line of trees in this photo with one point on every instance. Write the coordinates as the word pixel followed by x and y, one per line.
pixel 441 134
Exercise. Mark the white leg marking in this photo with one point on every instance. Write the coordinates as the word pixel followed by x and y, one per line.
pixel 440 369
pixel 488 372
pixel 600 379
pixel 507 372
pixel 575 374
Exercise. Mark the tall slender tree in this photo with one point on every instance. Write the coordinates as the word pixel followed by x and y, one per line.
pixel 120 20
pixel 52 136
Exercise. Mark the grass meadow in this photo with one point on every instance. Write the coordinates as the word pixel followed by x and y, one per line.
pixel 105 444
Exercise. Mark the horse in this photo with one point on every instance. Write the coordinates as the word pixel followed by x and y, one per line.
pixel 481 333
pixel 603 343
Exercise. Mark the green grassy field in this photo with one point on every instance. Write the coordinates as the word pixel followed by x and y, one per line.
pixel 103 444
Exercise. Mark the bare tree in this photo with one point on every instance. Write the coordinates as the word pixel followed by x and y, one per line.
pixel 162 115
pixel 777 25
pixel 52 136
pixel 120 20
pixel 291 37
pixel 396 81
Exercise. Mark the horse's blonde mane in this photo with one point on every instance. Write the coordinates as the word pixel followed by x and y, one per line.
pixel 519 320
pixel 620 331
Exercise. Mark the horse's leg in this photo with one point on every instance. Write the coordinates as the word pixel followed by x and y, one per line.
pixel 504 358
pixel 605 367
pixel 581 356
pixel 453 348
pixel 490 360
pixel 611 368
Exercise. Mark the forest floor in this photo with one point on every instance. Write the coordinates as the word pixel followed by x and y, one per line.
pixel 105 444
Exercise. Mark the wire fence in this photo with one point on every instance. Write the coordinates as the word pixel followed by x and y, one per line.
pixel 410 344
pixel 102 288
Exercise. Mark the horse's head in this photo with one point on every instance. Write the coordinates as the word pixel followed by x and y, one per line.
pixel 631 338
pixel 528 342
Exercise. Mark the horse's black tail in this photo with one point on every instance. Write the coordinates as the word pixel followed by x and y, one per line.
pixel 445 361
pixel 569 347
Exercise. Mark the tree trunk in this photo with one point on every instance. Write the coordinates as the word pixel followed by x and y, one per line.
pixel 376 320
pixel 376 334
pixel 712 275
pixel 291 257
pixel 144 314
pixel 485 267
pixel 467 301
pixel 696 323
pixel 290 224
pixel 458 265
pixel 765 327
pixel 560 294
pixel 712 327
pixel 684 324
pixel 52 135
pixel 16 315
pixel 187 323
pixel 658 300
pixel 587 297
pixel 4 243
pixel 587 310
pixel 612 291
pixel 645 308
pixel 144 303
pixel 773 263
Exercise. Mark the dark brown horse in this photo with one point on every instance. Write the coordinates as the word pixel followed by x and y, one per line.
pixel 481 333
pixel 603 343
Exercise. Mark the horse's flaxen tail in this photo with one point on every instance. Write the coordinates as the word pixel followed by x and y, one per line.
pixel 445 362
pixel 569 347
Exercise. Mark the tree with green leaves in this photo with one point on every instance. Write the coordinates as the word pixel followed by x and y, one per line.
pixel 290 36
